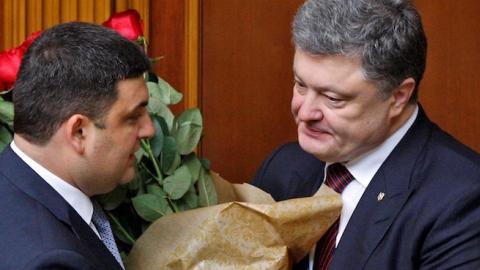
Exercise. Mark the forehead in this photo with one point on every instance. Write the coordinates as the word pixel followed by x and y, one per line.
pixel 131 93
pixel 335 67
pixel 342 74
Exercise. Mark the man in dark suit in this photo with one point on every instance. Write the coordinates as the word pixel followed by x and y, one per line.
pixel 80 111
pixel 414 197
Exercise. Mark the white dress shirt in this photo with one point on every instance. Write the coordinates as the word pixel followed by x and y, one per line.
pixel 363 169
pixel 75 197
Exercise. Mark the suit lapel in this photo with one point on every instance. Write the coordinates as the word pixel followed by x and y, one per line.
pixel 22 176
pixel 372 217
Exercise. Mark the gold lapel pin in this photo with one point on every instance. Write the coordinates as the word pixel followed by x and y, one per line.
pixel 380 196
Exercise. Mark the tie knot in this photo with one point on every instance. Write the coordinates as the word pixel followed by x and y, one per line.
pixel 338 177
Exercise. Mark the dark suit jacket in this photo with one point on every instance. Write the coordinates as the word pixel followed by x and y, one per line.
pixel 428 219
pixel 39 229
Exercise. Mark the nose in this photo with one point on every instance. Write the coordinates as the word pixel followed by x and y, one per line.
pixel 309 109
pixel 147 130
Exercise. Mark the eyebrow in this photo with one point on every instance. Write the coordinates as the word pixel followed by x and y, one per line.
pixel 139 106
pixel 317 88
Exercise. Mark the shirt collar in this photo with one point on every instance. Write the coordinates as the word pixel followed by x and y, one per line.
pixel 366 166
pixel 76 198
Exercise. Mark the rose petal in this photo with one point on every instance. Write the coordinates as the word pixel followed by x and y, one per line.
pixel 127 23
pixel 11 59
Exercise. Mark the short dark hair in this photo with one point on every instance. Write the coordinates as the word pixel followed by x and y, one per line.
pixel 387 35
pixel 72 68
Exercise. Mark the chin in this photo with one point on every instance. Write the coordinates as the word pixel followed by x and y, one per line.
pixel 128 177
pixel 319 150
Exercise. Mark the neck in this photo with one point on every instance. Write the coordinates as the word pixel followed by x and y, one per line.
pixel 48 156
pixel 402 118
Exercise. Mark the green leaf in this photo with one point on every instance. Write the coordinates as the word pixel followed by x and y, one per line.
pixel 189 131
pixel 207 195
pixel 156 142
pixel 141 177
pixel 155 101
pixel 176 162
pixel 167 115
pixel 6 112
pixel 206 163
pixel 157 104
pixel 5 137
pixel 169 94
pixel 156 190
pixel 163 125
pixel 152 159
pixel 177 184
pixel 120 231
pixel 194 165
pixel 150 207
pixel 114 198
pixel 170 159
pixel 135 183
pixel 191 199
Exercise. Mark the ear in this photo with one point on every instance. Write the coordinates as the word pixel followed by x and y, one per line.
pixel 76 129
pixel 401 96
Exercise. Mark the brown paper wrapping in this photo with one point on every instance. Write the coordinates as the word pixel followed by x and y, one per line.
pixel 248 230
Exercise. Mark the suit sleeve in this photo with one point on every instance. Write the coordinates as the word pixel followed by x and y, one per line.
pixel 272 177
pixel 260 180
pixel 60 259
pixel 454 240
pixel 289 172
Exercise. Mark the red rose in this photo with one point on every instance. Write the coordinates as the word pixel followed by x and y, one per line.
pixel 28 41
pixel 10 61
pixel 9 64
pixel 127 23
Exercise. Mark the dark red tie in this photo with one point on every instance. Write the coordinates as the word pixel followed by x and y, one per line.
pixel 338 177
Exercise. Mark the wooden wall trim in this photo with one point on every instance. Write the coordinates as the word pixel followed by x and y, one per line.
pixel 192 19
pixel 174 37
pixel 2 15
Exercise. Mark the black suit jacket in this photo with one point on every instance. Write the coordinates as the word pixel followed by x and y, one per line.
pixel 428 219
pixel 39 229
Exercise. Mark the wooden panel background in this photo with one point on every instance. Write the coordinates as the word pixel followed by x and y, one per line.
pixel 169 42
pixel 246 82
pixel 450 92
pixel 175 30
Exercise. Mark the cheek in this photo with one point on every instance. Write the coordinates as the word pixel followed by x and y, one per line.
pixel 295 104
pixel 128 136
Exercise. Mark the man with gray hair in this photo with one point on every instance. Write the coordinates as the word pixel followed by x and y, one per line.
pixel 410 192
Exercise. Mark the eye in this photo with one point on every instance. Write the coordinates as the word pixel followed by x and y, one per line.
pixel 298 83
pixel 335 101
pixel 133 118
pixel 299 87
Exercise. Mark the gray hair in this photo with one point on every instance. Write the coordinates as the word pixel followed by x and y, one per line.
pixel 386 34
